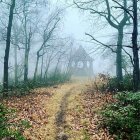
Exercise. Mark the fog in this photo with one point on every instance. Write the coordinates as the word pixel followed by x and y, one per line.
pixel 68 36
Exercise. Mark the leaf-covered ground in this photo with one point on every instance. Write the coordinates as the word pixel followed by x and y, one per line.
pixel 69 110
pixel 31 108
pixel 83 117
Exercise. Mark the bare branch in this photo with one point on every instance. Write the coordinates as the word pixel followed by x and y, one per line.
pixel 122 7
pixel 101 43
pixel 129 56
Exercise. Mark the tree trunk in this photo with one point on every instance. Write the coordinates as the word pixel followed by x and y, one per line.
pixel 36 68
pixel 135 47
pixel 119 55
pixel 50 58
pixel 26 51
pixel 26 61
pixel 7 50
pixel 27 47
pixel 46 71
pixel 56 68
pixel 42 60
pixel 16 63
pixel 26 65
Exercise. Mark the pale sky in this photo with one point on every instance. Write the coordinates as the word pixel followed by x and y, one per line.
pixel 76 24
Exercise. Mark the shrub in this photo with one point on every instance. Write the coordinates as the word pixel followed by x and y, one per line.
pixel 56 78
pixel 128 82
pixel 5 126
pixel 111 84
pixel 23 88
pixel 125 85
pixel 51 79
pixel 123 117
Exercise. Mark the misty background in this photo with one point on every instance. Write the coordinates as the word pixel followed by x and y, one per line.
pixel 74 24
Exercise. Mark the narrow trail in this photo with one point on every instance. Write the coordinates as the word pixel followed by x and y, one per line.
pixel 57 108
pixel 60 116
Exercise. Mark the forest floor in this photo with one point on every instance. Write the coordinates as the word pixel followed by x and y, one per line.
pixel 64 111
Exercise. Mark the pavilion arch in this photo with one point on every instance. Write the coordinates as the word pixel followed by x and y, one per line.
pixel 81 63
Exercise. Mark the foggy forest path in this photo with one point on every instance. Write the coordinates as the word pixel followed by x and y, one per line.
pixel 74 113
pixel 66 111
pixel 64 99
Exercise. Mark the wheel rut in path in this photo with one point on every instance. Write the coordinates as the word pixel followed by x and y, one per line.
pixel 60 117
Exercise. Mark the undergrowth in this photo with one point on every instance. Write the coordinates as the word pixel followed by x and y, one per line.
pixel 10 130
pixel 105 83
pixel 23 88
pixel 122 117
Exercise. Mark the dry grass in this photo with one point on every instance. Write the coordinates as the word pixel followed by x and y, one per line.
pixel 83 118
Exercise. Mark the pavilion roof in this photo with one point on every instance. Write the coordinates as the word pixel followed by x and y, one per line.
pixel 81 55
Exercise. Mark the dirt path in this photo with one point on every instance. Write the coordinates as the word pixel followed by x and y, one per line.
pixel 58 106
pixel 61 116
pixel 73 114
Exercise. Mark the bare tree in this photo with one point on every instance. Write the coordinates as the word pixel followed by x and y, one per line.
pixel 15 40
pixel 47 34
pixel 29 26
pixel 7 50
pixel 51 55
pixel 133 13
pixel 136 76
pixel 117 21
